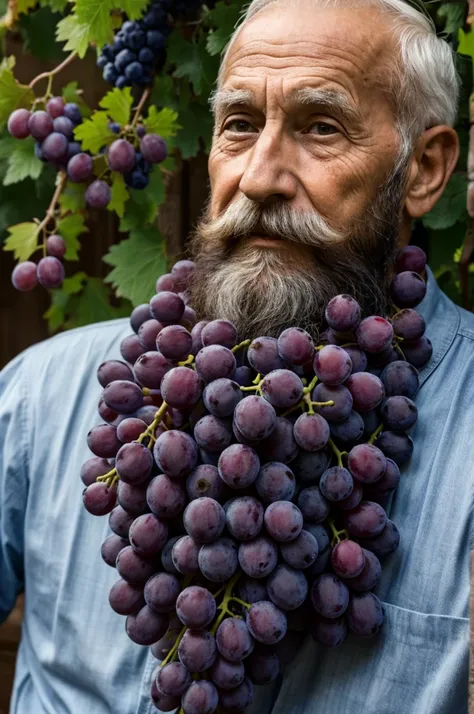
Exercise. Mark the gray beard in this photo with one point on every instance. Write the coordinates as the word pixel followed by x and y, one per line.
pixel 263 291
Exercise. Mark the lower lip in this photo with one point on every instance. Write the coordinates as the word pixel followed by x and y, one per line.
pixel 265 241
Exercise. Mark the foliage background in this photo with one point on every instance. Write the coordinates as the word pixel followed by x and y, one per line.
pixel 179 111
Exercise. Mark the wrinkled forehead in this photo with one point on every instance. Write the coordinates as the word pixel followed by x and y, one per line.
pixel 354 44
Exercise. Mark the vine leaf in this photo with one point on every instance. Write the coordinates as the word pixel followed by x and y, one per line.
pixel 224 18
pixel 134 9
pixel 164 122
pixel 137 262
pixel 454 13
pixel 197 123
pixel 96 15
pixel 451 206
pixel 185 56
pixel 12 94
pixel 74 33
pixel 23 240
pixel 73 197
pixel 55 5
pixel 119 194
pixel 70 228
pixel 94 133
pixel 94 304
pixel 118 104
pixel 22 163
pixel 61 300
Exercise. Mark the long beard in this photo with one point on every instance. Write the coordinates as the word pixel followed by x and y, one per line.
pixel 265 290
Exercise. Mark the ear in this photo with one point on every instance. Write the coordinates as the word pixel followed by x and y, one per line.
pixel 434 159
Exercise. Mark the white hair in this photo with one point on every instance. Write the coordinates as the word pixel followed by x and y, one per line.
pixel 424 86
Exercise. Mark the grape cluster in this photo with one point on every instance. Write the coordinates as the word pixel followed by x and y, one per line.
pixel 139 47
pixel 246 483
pixel 137 163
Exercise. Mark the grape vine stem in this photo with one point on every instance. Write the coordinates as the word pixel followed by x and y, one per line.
pixel 49 75
pixel 52 206
pixel 140 106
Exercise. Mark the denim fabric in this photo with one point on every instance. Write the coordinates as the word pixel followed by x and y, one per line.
pixel 75 657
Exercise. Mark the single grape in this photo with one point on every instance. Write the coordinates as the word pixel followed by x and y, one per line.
pixel 398 413
pixel 313 505
pixel 374 334
pixel 213 434
pixel 174 342
pixel 262 666
pixel 148 535
pixel 329 595
pixel 185 554
pixel 410 258
pixel 134 568
pixel 255 418
pixel 385 543
pixel 258 557
pixel 275 482
pixel 181 387
pixel 244 376
pixel 324 548
pixel 329 633
pixel 132 498
pixel 266 622
pixel 175 453
pixel 302 552
pixel 233 639
pixel 64 126
pixel 283 521
pixel 183 271
pixel 347 504
pixel 204 519
pixel 251 590
pixel 244 518
pixel 56 246
pixel 123 396
pixel 120 521
pixel 131 349
pixel 202 696
pixel 195 607
pixel 332 365
pixel 111 547
pixel 163 702
pixel 166 283
pixel 161 592
pixel 73 149
pixel 295 346
pixel 219 332
pixel 55 147
pixel 140 314
pixel 147 626
pixel 386 484
pixel 72 112
pixel 148 333
pixel 396 446
pixel 341 397
pixel 238 699
pixel 238 466
pixel 343 313
pixel 126 599
pixel 227 675
pixel 214 362
pixel 130 430
pixel 102 441
pixel 367 391
pixel 92 468
pixel 18 123
pixel 121 155
pixel 407 289
pixel 336 483
pixel 366 463
pixel 40 125
pixel 367 520
pixel 311 432
pixel 50 272
pixel 150 368
pixel 107 414
pixel 365 614
pixel 350 430
pixel 358 358
pixel 79 168
pixel 408 324
pixel 282 388
pixel 98 194
pixel 173 679
pixel 24 276
pixel 205 481
pixel 218 561
pixel 165 497
pixel 370 575
pixel 134 463
pixel 221 397
pixel 347 559
pixel 418 353
pixel 263 355
pixel 287 587
pixel 308 467
pixel 153 148
pixel 55 107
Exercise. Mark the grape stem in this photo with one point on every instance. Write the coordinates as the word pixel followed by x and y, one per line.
pixel 311 405
pixel 338 454
pixel 399 350
pixel 171 656
pixel 374 436
pixel 224 606
pixel 62 176
pixel 186 362
pixel 241 345
pixel 140 106
pixel 50 75
pixel 337 534
pixel 151 429
pixel 311 386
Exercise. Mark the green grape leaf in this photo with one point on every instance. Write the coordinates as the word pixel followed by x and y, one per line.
pixel 73 197
pixel 197 123
pixel 72 93
pixel 223 19
pixel 134 9
pixel 94 133
pixel 12 94
pixel 118 104
pixel 94 305
pixel 62 299
pixel 451 207
pixel 137 263
pixel 7 146
pixel 22 163
pixel 23 240
pixel 55 5
pixel 70 227
pixel 453 12
pixel 23 6
pixel 96 15
pixel 120 194
pixel 164 122
pixel 74 33
pixel 186 58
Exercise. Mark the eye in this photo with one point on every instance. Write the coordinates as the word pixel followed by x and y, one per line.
pixel 324 128
pixel 241 126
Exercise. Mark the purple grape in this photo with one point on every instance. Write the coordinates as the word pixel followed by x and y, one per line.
pixel 347 559
pixel 386 484
pixel 283 521
pixel 161 648
pixel 302 552
pixel 343 313
pixel 409 324
pixel 336 484
pixel 140 314
pixel 123 396
pixel 324 548
pixel 275 482
pixel 221 397
pixel 282 388
pixel 18 123
pixel 358 358
pixel 130 430
pixel 204 520
pixel 148 333
pixel 219 332
pixel 238 699
pixel 185 554
pixel 263 355
pixel 181 387
pixel 166 556
pixel 131 349
pixel 407 289
pixel 365 614
pixel 134 463
pixel 64 126
pixel 329 633
pixel 350 430
pixel 214 362
pixel 255 418
pixel 92 468
pixel 107 414
pixel 329 595
pixel 308 467
pixel 111 547
pixel 72 112
pixel 332 365
pixel 183 271
pixel 173 679
pixel 398 413
pixel 238 466
pixel 120 521
pixel 150 368
pixel 40 125
pixel 370 575
pixel 121 156
pixel 218 561
pixel 205 481
pixel 132 498
pixel 202 696
pixel 161 592
pixel 146 627
pixel 244 518
pixel 418 353
pixel 266 622
pixel 395 445
pixel 174 342
pixel 73 149
pixel 244 376
pixel 126 599
pixel 258 557
pixel 162 702
pixel 280 445
pixel 98 194
pixel 134 568
pixel 385 543
pixel 374 334
pixel 153 148
pixel 295 346
pixel 400 379
pixel 347 504
pixel 167 307
pixel 367 520
pixel 366 463
pixel 165 497
pixel 80 167
pixel 287 587
pixel 56 246
pixel 213 434
pixel 366 389
pixel 341 397
pixel 410 258
pixel 251 590
pixel 24 276
pixel 313 505
pixel 102 441
pixel 233 639
pixel 166 283
pixel 311 432
pixel 55 107
pixel 50 272
pixel 175 453
pixel 148 535
pixel 227 675
pixel 55 147
pixel 195 607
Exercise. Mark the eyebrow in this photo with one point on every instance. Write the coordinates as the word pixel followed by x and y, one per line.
pixel 338 102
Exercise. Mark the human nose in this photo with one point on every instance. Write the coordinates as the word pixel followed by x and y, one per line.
pixel 268 172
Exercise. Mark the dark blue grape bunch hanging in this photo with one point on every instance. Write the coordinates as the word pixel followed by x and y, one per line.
pixel 139 47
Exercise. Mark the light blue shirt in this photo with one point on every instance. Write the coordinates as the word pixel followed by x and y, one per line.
pixel 75 657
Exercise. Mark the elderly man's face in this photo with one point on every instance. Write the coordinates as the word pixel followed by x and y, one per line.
pixel 326 159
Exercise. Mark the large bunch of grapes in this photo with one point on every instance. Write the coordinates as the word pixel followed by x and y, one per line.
pixel 246 484
pixel 139 47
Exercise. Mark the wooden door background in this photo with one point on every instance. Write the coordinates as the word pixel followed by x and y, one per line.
pixel 21 314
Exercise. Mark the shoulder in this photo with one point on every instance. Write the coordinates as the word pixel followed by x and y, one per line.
pixel 466 323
